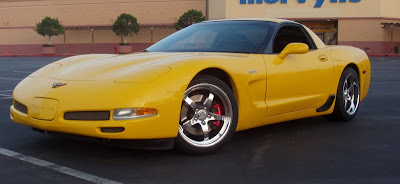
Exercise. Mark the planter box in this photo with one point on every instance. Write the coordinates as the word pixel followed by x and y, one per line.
pixel 48 50
pixel 125 49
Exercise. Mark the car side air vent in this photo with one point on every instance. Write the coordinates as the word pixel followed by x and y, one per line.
pixel 87 115
pixel 112 129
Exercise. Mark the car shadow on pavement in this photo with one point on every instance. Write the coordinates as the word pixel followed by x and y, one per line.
pixel 286 132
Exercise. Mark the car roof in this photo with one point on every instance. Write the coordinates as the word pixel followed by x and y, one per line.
pixel 254 19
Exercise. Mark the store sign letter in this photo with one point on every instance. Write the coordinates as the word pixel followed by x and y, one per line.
pixel 318 3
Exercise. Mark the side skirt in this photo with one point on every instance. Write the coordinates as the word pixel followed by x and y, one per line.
pixel 327 104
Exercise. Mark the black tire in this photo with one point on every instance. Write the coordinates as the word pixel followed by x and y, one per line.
pixel 187 140
pixel 343 111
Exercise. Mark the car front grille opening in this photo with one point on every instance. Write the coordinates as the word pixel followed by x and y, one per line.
pixel 20 107
pixel 87 115
pixel 112 129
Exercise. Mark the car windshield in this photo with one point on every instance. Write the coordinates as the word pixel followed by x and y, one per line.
pixel 219 36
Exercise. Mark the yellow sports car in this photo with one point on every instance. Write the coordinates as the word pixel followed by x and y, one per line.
pixel 198 86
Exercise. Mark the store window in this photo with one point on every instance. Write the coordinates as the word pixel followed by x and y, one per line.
pixel 326 30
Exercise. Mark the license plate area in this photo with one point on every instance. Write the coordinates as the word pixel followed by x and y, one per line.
pixel 44 108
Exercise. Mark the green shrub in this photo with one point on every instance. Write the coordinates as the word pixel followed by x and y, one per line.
pixel 189 18
pixel 125 25
pixel 49 27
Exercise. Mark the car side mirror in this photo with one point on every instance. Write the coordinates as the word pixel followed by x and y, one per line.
pixel 294 48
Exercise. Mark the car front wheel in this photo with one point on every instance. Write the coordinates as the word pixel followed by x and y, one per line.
pixel 208 118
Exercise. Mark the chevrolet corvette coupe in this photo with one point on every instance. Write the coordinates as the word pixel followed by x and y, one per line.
pixel 198 86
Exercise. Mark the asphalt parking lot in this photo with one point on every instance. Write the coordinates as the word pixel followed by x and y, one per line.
pixel 312 150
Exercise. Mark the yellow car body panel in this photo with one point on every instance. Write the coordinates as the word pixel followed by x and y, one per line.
pixel 267 89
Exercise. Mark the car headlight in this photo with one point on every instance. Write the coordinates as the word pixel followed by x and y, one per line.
pixel 133 113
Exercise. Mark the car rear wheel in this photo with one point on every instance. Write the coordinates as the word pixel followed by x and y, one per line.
pixel 348 96
pixel 208 117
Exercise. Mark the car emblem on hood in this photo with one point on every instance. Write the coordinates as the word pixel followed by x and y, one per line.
pixel 57 84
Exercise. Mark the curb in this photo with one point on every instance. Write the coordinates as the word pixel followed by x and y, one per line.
pixel 369 55
pixel 384 55
pixel 37 55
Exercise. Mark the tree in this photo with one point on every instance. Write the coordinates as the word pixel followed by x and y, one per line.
pixel 188 18
pixel 49 27
pixel 125 25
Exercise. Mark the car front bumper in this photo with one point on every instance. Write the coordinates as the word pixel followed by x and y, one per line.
pixel 79 96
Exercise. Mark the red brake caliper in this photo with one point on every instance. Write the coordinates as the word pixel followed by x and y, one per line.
pixel 218 107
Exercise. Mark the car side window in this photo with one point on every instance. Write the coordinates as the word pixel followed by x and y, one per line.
pixel 290 34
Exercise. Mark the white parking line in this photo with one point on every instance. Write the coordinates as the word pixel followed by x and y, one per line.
pixel 55 167
pixel 5 96
pixel 3 78
pixel 28 72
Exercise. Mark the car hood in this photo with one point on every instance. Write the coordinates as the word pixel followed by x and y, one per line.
pixel 138 67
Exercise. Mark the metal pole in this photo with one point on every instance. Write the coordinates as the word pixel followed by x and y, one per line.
pixel 207 9
pixel 65 47
pixel 92 41
pixel 151 30
pixel 391 39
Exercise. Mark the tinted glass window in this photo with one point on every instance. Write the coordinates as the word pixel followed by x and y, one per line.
pixel 224 36
pixel 290 34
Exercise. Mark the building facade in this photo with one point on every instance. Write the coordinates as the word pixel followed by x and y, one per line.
pixel 87 23
pixel 372 25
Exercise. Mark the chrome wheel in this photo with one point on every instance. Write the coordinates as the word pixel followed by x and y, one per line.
pixel 348 96
pixel 206 115
pixel 351 94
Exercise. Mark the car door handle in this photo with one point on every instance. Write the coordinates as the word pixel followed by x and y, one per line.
pixel 323 58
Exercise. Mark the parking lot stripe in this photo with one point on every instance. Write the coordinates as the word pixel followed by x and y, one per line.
pixel 55 167
pixel 3 78
pixel 28 72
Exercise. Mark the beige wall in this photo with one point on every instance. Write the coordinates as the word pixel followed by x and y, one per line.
pixel 356 21
pixel 367 30
pixel 84 12
pixel 217 9
pixel 361 30
pixel 18 17
pixel 390 8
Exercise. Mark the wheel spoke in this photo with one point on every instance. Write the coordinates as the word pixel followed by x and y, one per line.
pixel 209 100
pixel 184 119
pixel 192 104
pixel 345 85
pixel 216 117
pixel 352 107
pixel 206 130
pixel 351 88
pixel 187 124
